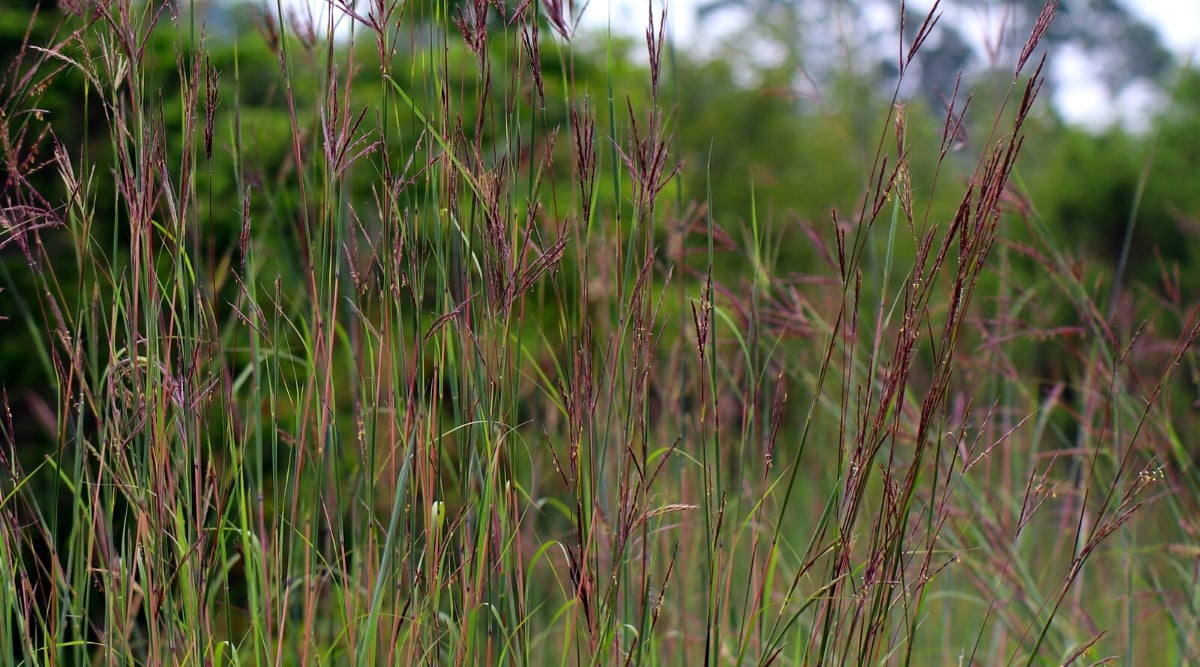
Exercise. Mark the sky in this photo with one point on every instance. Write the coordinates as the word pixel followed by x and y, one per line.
pixel 1177 20
pixel 1080 96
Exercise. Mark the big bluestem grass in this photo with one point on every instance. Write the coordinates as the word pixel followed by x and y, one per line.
pixel 465 386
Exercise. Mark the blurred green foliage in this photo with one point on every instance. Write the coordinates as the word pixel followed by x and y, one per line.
pixel 751 147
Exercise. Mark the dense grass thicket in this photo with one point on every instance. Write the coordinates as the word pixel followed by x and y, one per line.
pixel 457 341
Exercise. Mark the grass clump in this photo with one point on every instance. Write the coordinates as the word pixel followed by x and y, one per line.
pixel 413 349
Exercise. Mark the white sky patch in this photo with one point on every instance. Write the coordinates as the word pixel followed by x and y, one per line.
pixel 1178 21
pixel 1080 95
pixel 631 15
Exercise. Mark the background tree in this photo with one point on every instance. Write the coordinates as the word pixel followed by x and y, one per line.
pixel 818 37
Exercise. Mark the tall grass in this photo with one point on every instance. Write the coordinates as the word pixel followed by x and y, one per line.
pixel 504 411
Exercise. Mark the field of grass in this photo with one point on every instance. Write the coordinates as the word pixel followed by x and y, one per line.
pixel 472 379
